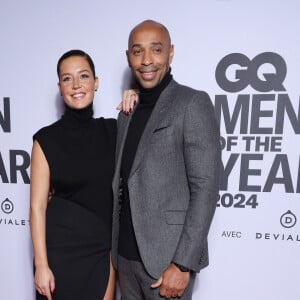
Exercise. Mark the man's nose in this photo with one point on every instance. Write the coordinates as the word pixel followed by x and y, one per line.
pixel 147 58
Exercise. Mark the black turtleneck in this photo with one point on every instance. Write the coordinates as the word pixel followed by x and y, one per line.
pixel 80 153
pixel 78 117
pixel 147 100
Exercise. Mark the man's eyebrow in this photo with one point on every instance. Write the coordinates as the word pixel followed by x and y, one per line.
pixel 153 44
pixel 136 45
pixel 156 44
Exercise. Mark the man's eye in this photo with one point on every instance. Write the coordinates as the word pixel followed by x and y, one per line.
pixel 137 52
pixel 157 50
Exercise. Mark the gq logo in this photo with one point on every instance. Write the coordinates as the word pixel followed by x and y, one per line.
pixel 7 206
pixel 288 219
pixel 247 72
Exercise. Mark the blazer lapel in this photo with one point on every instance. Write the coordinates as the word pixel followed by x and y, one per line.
pixel 157 116
pixel 123 125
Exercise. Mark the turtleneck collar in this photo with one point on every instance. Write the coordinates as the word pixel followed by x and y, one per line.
pixel 78 117
pixel 150 96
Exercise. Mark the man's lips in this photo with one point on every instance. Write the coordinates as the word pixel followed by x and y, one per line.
pixel 148 74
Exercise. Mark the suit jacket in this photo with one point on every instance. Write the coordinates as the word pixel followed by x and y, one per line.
pixel 174 180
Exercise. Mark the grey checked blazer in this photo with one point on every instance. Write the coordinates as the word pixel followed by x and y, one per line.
pixel 174 180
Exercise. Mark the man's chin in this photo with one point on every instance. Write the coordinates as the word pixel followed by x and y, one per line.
pixel 148 84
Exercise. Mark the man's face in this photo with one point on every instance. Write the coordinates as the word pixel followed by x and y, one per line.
pixel 149 54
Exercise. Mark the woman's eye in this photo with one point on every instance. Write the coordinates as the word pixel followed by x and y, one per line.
pixel 65 79
pixel 84 76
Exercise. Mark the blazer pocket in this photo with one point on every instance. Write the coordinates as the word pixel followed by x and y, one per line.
pixel 163 134
pixel 165 127
pixel 175 217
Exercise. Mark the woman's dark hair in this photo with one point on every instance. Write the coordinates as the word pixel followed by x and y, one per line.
pixel 76 53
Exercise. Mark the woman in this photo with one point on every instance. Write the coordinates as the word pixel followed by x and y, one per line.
pixel 74 158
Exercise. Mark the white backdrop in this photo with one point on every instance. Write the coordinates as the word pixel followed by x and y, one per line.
pixel 254 239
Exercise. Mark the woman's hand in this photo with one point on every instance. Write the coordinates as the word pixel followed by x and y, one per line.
pixel 129 100
pixel 110 290
pixel 44 281
pixel 39 197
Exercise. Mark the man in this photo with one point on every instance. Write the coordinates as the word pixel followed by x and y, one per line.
pixel 166 181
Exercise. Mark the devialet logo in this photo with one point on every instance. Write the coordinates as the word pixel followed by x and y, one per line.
pixel 7 207
pixel 287 220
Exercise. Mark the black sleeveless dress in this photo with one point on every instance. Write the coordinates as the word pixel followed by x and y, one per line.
pixel 80 152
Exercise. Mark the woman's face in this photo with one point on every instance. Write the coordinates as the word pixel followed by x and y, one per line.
pixel 76 82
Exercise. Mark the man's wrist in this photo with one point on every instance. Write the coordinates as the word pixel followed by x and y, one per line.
pixel 182 268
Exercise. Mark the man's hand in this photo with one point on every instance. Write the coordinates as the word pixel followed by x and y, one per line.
pixel 172 282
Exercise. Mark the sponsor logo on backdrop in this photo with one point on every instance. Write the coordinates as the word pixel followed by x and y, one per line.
pixel 14 163
pixel 7 217
pixel 287 221
pixel 252 129
pixel 7 206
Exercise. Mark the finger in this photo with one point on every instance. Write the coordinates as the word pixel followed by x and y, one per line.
pixel 120 105
pixel 131 98
pixel 126 95
pixel 48 295
pixel 39 291
pixel 45 291
pixel 52 285
pixel 164 292
pixel 180 293
pixel 133 101
pixel 157 283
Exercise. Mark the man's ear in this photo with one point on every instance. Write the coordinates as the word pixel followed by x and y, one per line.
pixel 127 55
pixel 171 54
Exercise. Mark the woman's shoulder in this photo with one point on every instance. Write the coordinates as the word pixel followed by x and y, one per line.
pixel 47 131
pixel 108 122
pixel 109 125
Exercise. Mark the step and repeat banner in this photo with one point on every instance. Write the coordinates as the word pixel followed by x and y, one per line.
pixel 245 54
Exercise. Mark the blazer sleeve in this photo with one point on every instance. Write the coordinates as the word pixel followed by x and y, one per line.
pixel 202 156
